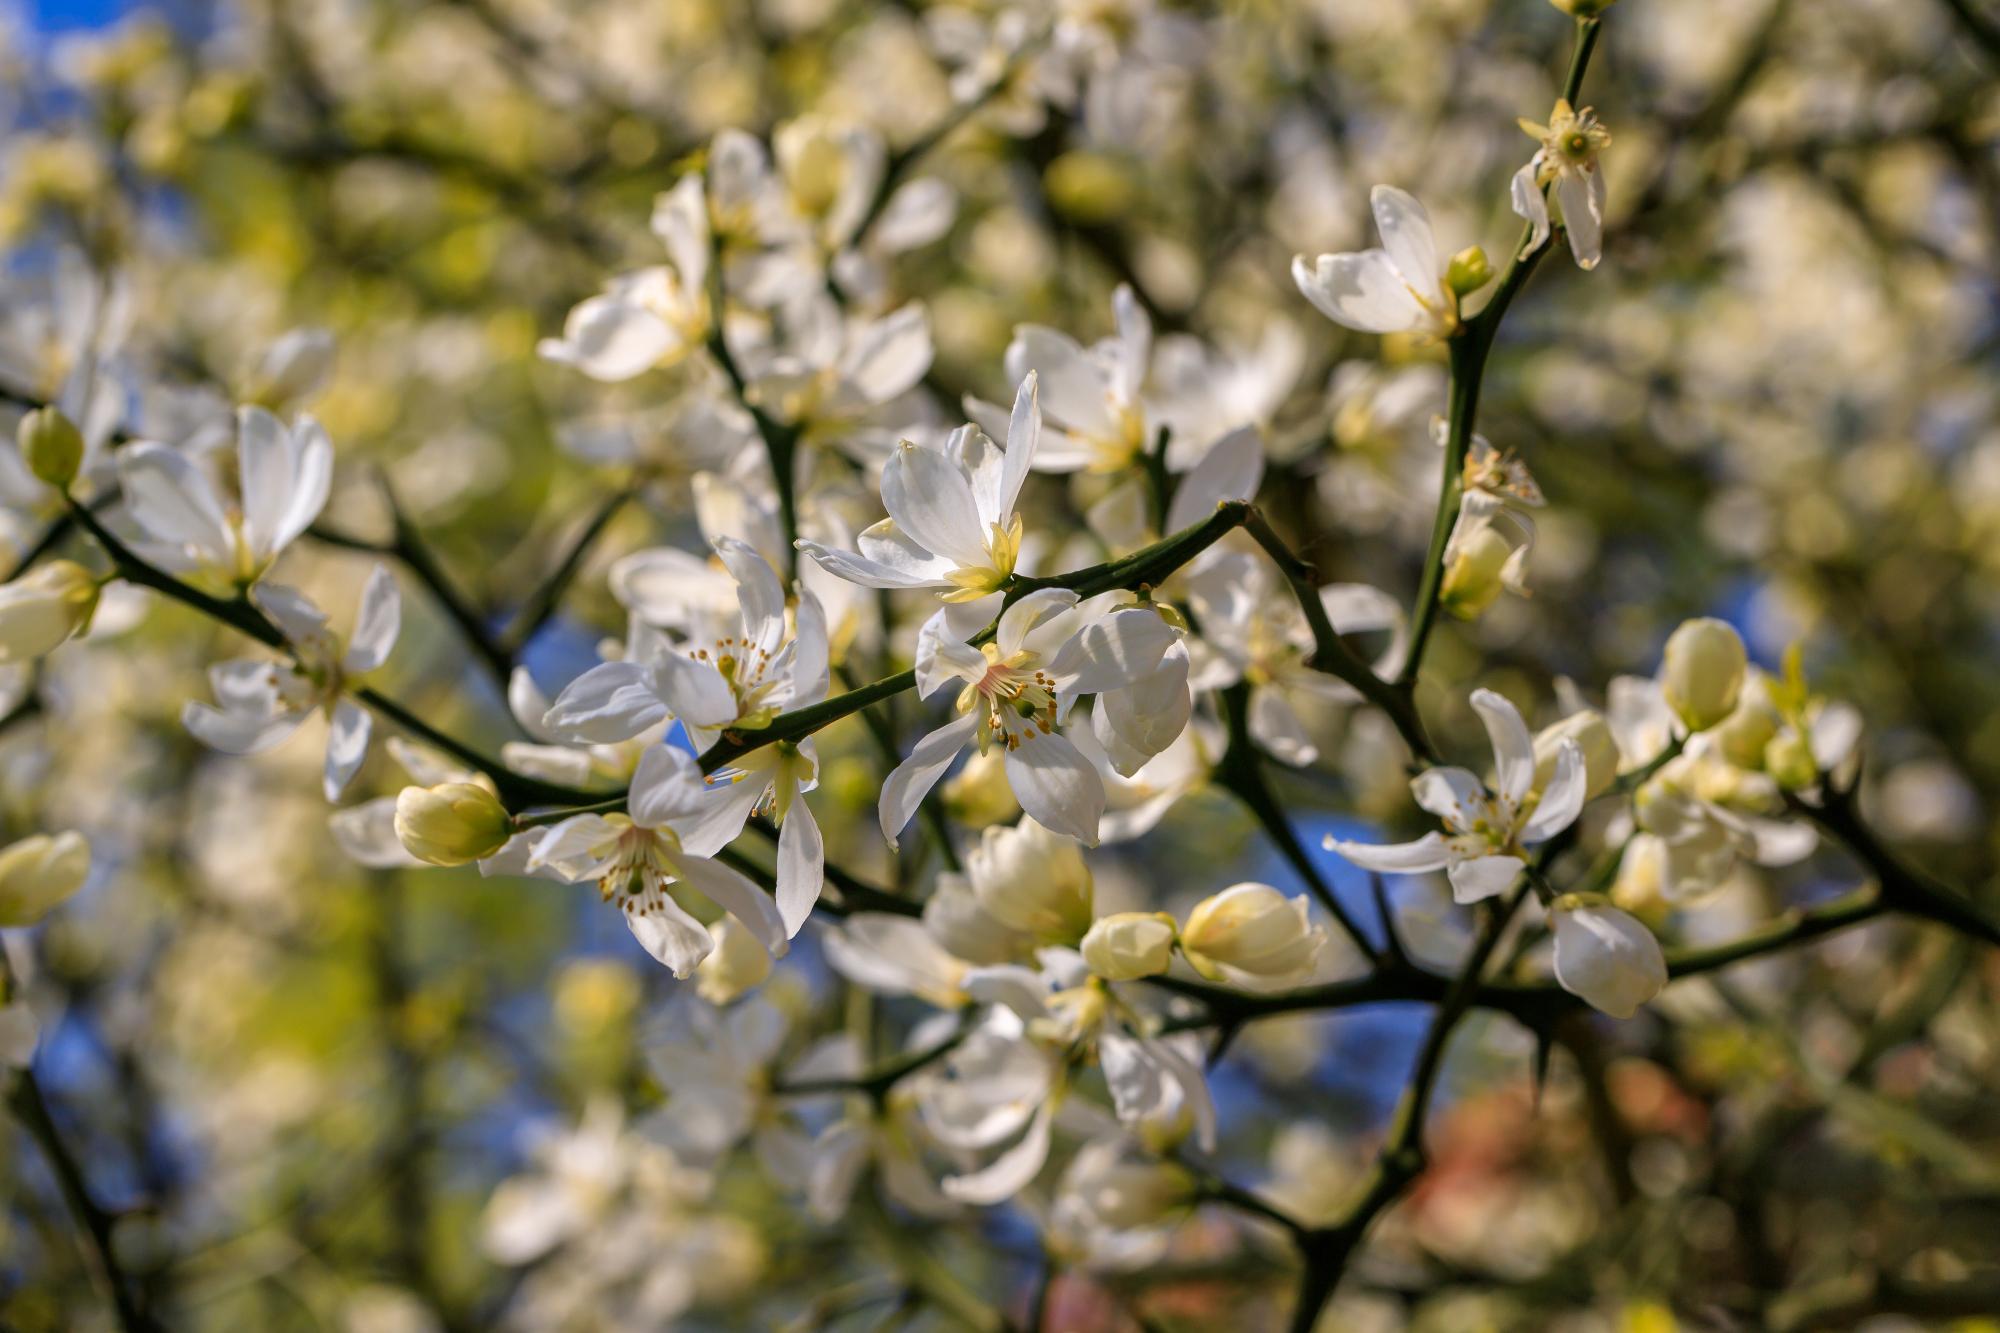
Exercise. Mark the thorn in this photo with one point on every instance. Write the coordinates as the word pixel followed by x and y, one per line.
pixel 1545 1045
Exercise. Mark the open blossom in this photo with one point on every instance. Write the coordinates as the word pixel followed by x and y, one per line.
pixel 664 841
pixel 1093 397
pixel 1399 288
pixel 1047 651
pixel 1566 160
pixel 837 378
pixel 951 524
pixel 192 526
pixel 1487 834
pixel 261 703
pixel 653 317
pixel 1494 536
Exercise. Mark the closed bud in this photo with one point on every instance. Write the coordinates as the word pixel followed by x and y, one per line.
pixel 452 823
pixel 1742 735
pixel 736 965
pixel 1593 738
pixel 1468 271
pixel 1702 675
pixel 1032 880
pixel 43 608
pixel 1128 945
pixel 1252 936
pixel 1583 9
pixel 1788 758
pixel 1604 955
pixel 38 873
pixel 51 445
pixel 1474 577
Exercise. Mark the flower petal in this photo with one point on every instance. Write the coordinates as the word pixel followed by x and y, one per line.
pixel 1429 852
pixel 1513 747
pixel 905 788
pixel 1483 877
pixel 1057 787
pixel 376 624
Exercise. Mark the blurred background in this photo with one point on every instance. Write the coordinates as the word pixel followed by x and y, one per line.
pixel 294 1084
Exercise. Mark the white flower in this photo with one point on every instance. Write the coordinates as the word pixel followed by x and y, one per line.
pixel 1398 288
pixel 1567 159
pixel 1484 848
pixel 283 475
pixel 1115 1204
pixel 997 1090
pixel 1605 955
pixel 1257 634
pixel 295 366
pixel 1252 936
pixel 1702 814
pixel 1047 651
pixel 1096 412
pixel 263 702
pixel 835 374
pixel 951 522
pixel 739 668
pixel 897 955
pixel 652 317
pixel 666 839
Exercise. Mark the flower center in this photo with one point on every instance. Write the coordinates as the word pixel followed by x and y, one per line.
pixel 1018 699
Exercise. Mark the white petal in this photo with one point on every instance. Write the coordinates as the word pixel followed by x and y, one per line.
pixel 1361 291
pixel 931 500
pixel 1275 725
pixel 1010 1172
pixel 1406 235
pixel 1231 470
pixel 739 896
pixel 942 658
pixel 234 732
pixel 1582 203
pixel 667 789
pixel 1429 852
pixel 1452 794
pixel 694 690
pixel 1056 786
pixel 173 499
pixel 377 623
pixel 1513 747
pixel 809 651
pixel 1527 199
pixel 905 788
pixel 1114 651
pixel 610 338
pixel 889 356
pixel 801 866
pixel 311 481
pixel 1024 439
pixel 1077 397
pixel 267 471
pixel 859 569
pixel 614 701
pixel 1142 719
pixel 346 745
pixel 666 931
pixel 1562 799
pixel 1483 877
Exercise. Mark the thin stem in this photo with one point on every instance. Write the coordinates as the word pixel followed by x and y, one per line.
pixel 547 596
pixel 1468 352
pixel 1331 653
pixel 31 1109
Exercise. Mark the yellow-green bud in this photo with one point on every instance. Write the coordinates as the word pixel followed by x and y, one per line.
pixel 452 823
pixel 1583 9
pixel 38 873
pixel 51 445
pixel 1128 945
pixel 1788 758
pixel 1702 675
pixel 1251 935
pixel 1468 271
pixel 1744 734
pixel 1474 578
pixel 43 608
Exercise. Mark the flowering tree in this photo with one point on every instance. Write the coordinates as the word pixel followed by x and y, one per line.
pixel 1174 747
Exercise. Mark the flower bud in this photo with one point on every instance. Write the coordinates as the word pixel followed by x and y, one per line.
pixel 1032 880
pixel 1473 578
pixel 38 873
pixel 1702 675
pixel 736 965
pixel 51 446
pixel 1128 945
pixel 43 608
pixel 1742 736
pixel 1252 936
pixel 1593 738
pixel 452 823
pixel 1605 956
pixel 1583 9
pixel 1468 271
pixel 1788 758
pixel 1640 887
